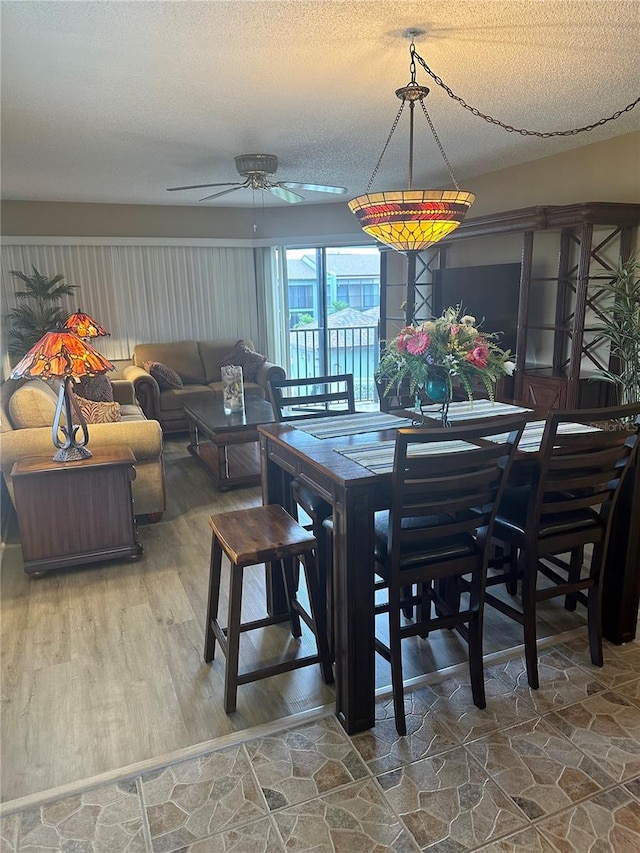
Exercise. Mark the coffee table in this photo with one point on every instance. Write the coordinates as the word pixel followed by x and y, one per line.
pixel 227 445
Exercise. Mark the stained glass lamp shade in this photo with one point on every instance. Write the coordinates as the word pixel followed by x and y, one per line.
pixel 413 219
pixel 61 354
pixel 85 326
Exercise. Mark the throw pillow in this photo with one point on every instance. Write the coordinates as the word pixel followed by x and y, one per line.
pixel 246 358
pixel 98 413
pixel 96 388
pixel 164 376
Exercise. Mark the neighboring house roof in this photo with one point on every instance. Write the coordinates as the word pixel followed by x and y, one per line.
pixel 347 328
pixel 343 266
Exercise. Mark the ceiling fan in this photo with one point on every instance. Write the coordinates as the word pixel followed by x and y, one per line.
pixel 257 169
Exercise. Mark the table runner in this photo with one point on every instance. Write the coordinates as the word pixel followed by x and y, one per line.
pixel 463 410
pixel 342 425
pixel 378 457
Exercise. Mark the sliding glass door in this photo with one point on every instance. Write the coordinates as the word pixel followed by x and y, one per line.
pixel 333 308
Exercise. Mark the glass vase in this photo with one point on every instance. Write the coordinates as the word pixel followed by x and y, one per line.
pixel 232 389
pixel 437 387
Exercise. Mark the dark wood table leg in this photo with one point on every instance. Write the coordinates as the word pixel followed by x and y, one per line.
pixel 354 615
pixel 621 585
pixel 276 489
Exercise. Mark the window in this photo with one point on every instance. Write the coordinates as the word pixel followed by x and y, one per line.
pixel 328 292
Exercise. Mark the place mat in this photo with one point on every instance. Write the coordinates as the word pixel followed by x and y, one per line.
pixel 341 425
pixel 378 457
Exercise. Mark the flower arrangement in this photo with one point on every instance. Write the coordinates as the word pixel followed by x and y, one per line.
pixel 441 351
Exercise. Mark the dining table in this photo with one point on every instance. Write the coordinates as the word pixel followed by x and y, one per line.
pixel 347 460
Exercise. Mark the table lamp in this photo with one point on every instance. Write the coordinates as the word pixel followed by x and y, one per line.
pixel 85 326
pixel 63 355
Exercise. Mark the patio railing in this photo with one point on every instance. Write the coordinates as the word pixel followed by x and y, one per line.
pixel 349 349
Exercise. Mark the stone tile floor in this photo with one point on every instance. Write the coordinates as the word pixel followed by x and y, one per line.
pixel 553 771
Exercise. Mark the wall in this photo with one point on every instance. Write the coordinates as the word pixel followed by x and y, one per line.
pixel 601 171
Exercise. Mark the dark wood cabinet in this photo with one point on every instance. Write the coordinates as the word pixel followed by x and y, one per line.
pixel 73 513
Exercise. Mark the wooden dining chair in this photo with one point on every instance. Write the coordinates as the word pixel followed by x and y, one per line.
pixel 568 505
pixel 312 397
pixel 446 486
pixel 316 397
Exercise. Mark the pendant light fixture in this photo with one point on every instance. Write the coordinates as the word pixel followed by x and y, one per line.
pixel 411 220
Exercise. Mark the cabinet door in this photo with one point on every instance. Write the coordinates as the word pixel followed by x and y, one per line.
pixel 544 392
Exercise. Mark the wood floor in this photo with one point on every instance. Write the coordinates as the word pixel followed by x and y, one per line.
pixel 102 667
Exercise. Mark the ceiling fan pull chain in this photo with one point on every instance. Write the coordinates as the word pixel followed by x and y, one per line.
pixel 522 131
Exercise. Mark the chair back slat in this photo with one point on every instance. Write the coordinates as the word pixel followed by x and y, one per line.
pixel 453 459
pixel 581 470
pixel 442 488
pixel 311 397
pixel 460 487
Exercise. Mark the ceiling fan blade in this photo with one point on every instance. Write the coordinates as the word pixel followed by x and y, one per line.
pixel 286 195
pixel 316 188
pixel 224 192
pixel 202 186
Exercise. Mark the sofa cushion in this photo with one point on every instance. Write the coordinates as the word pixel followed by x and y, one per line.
pixel 175 398
pixel 164 375
pixel 212 353
pixel 33 405
pixel 250 388
pixel 246 358
pixel 96 388
pixel 129 412
pixel 181 356
pixel 98 413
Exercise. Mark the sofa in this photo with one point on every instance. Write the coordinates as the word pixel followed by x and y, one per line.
pixel 27 411
pixel 197 363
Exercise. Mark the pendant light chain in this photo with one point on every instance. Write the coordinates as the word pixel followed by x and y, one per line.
pixel 522 131
pixel 437 139
pixel 386 145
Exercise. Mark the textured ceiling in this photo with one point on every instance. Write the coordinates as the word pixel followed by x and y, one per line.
pixel 115 101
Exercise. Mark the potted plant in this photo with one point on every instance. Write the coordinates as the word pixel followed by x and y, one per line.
pixel 37 312
pixel 621 327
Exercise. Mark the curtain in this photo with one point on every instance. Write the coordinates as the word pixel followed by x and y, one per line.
pixel 144 294
pixel 271 314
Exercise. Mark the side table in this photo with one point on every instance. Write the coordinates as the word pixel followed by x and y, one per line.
pixel 73 513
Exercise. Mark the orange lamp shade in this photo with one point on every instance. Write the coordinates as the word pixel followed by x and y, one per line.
pixel 61 353
pixel 85 326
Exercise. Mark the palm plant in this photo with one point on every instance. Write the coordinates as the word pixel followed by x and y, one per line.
pixel 38 311
pixel 621 327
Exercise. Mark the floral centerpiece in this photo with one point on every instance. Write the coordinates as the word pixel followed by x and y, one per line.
pixel 435 355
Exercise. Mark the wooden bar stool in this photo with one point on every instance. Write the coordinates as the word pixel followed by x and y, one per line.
pixel 264 534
